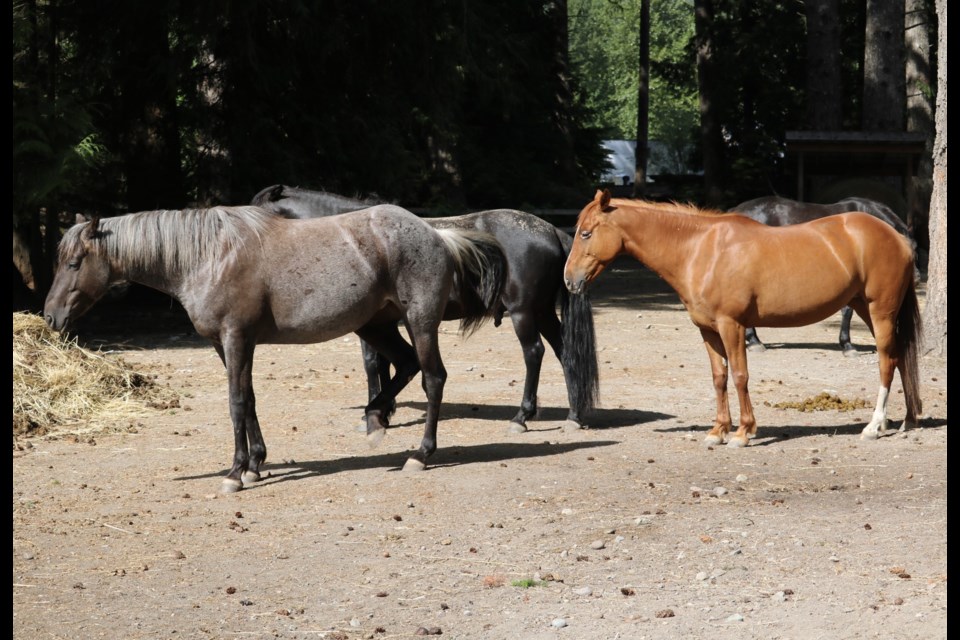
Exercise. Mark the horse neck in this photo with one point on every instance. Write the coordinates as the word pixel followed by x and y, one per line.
pixel 662 237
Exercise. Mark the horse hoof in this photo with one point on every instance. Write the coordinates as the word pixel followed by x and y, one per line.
pixel 850 353
pixel 869 435
pixel 756 348
pixel 570 426
pixel 737 442
pixel 712 440
pixel 249 477
pixel 230 485
pixel 412 464
pixel 516 427
pixel 375 437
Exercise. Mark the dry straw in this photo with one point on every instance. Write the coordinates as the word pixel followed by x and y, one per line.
pixel 60 388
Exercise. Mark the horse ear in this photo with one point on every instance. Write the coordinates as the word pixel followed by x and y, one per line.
pixel 604 198
pixel 91 231
pixel 81 217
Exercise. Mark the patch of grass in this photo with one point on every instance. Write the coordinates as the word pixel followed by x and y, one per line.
pixel 526 583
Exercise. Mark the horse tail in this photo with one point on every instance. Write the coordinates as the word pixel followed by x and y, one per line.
pixel 481 269
pixel 909 339
pixel 579 356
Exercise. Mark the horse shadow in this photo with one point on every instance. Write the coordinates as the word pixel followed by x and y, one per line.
pixel 776 434
pixel 447 457
pixel 596 419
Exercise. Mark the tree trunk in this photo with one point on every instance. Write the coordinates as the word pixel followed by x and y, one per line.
pixel 643 105
pixel 564 97
pixel 824 87
pixel 935 312
pixel 919 111
pixel 884 93
pixel 709 124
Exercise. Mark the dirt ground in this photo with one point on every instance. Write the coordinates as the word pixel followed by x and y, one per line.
pixel 630 529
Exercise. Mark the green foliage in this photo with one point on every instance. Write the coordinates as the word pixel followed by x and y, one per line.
pixel 605 49
pixel 526 583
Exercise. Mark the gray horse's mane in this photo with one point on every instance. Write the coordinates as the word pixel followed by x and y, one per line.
pixel 176 239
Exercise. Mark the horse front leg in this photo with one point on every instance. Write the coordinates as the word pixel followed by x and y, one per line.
pixel 733 337
pixel 250 451
pixel 718 369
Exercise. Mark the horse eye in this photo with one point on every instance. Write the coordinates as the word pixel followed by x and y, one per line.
pixel 73 264
pixel 586 234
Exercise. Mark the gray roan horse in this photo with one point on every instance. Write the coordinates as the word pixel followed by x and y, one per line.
pixel 776 211
pixel 246 276
pixel 536 252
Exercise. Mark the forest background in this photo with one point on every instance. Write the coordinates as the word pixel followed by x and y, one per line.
pixel 446 107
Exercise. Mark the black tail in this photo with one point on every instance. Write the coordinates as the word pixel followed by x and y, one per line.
pixel 579 343
pixel 909 341
pixel 481 273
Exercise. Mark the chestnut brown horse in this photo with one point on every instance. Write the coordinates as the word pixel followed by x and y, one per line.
pixel 732 272
pixel 246 276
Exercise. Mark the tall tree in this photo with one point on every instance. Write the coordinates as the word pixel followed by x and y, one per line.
pixel 643 104
pixel 919 108
pixel 712 142
pixel 884 95
pixel 824 94
pixel 935 312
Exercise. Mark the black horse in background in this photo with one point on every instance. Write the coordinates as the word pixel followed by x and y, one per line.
pixel 776 211
pixel 536 252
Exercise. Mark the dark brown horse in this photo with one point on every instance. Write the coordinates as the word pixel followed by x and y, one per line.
pixel 535 252
pixel 777 211
pixel 246 276
pixel 732 272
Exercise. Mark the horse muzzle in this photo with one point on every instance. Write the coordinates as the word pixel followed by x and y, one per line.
pixel 575 285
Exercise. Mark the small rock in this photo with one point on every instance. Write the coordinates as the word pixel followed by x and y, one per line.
pixel 566 512
pixel 583 591
pixel 720 491
pixel 558 623
pixel 735 618
pixel 779 596
pixel 741 478
pixel 643 520
pixel 597 544
pixel 702 575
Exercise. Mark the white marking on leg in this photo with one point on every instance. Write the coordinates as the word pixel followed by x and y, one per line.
pixel 878 423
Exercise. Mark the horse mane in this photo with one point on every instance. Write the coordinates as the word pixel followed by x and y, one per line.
pixel 671 206
pixel 177 239
pixel 321 202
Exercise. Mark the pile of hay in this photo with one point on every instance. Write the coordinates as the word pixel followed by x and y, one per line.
pixel 60 387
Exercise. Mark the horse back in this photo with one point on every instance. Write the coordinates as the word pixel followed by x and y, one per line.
pixel 532 246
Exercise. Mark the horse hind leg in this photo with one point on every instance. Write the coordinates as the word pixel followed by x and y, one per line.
pixel 525 327
pixel 884 333
pixel 377 368
pixel 426 343
pixel 753 341
pixel 845 344
pixel 387 341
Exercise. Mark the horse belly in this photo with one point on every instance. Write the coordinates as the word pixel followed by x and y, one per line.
pixel 323 308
